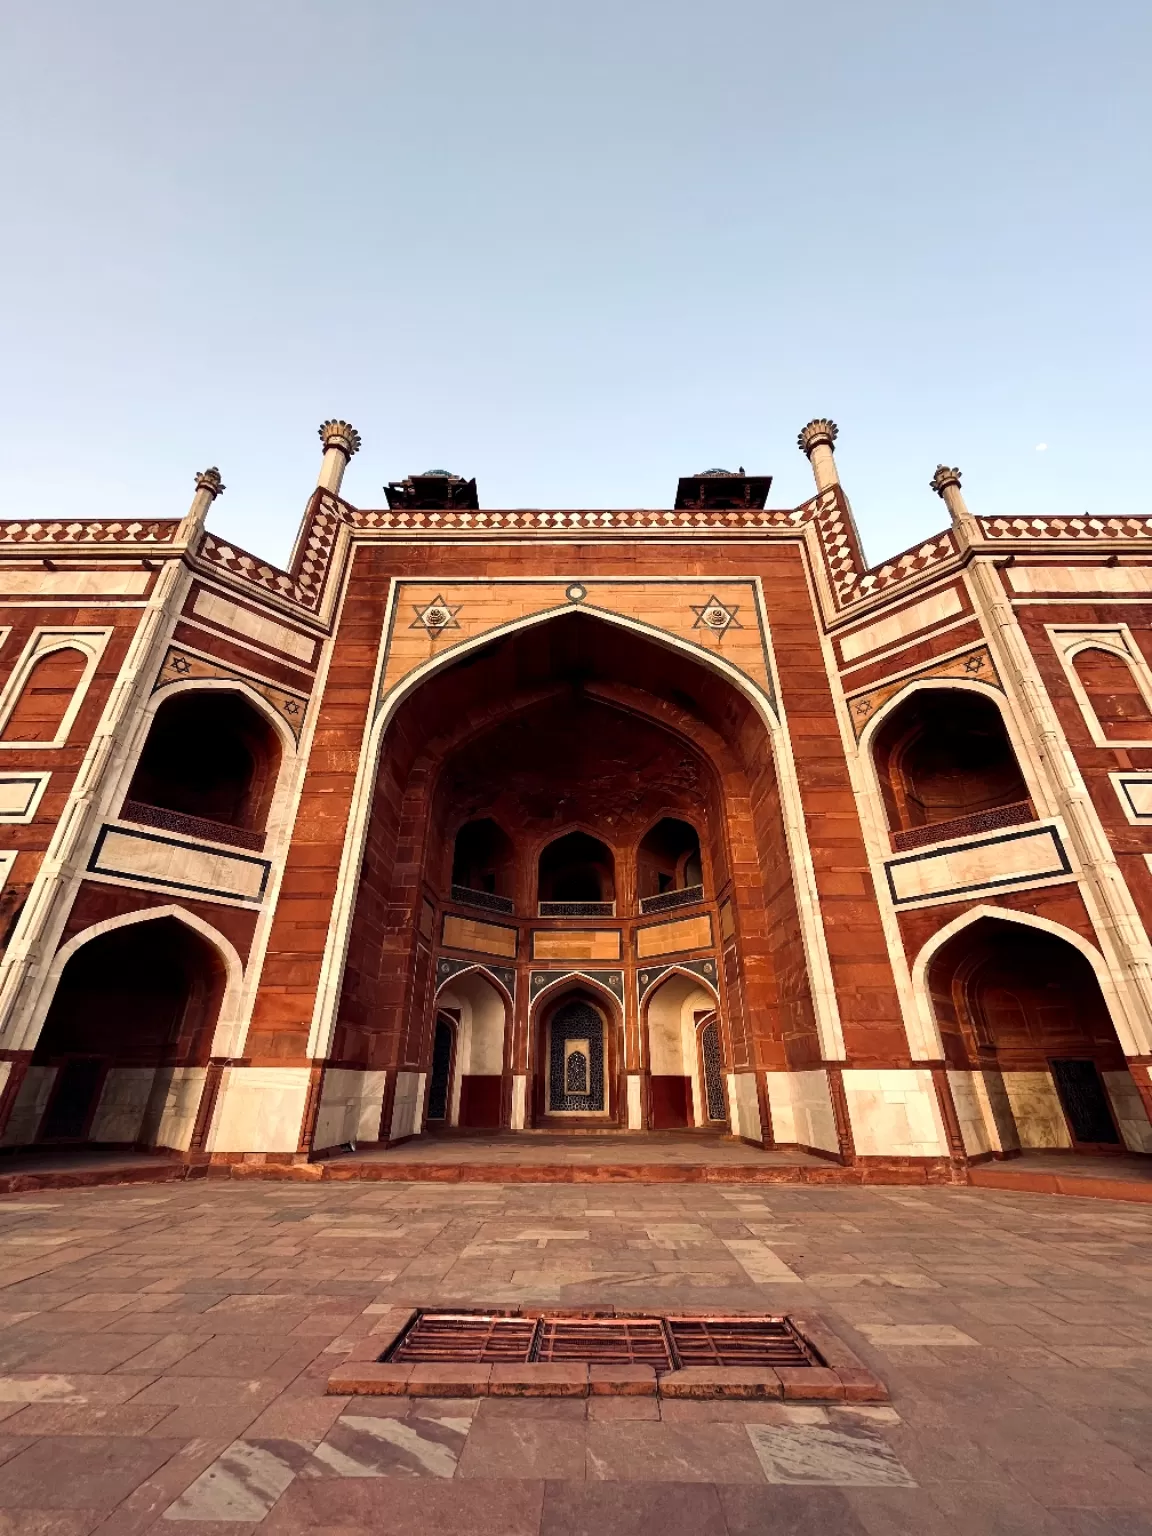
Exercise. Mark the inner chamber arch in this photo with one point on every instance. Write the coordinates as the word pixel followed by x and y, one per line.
pixel 573 722
pixel 685 1054
pixel 1029 1038
pixel 469 1080
pixel 132 1016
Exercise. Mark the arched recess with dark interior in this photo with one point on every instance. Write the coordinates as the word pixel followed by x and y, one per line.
pixel 669 867
pixel 678 1086
pixel 579 1067
pixel 1114 694
pixel 576 872
pixel 483 866
pixel 123 1053
pixel 1022 1007
pixel 48 690
pixel 208 768
pixel 477 1090
pixel 947 767
pixel 573 723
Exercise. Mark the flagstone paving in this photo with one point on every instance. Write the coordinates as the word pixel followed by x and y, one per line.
pixel 164 1353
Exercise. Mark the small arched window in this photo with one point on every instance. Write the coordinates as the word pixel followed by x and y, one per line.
pixel 668 859
pixel 211 757
pixel 39 713
pixel 1114 695
pixel 576 870
pixel 944 760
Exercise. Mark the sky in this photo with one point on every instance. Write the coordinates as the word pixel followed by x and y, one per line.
pixel 576 251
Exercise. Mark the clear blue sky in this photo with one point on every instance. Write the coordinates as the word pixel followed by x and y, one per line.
pixel 574 250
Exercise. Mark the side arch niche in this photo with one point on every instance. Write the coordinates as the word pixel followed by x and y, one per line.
pixel 946 767
pixel 209 767
pixel 471 1067
pixel 122 1056
pixel 683 1066
pixel 1033 1056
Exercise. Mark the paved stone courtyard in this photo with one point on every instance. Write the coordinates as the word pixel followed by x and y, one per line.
pixel 164 1352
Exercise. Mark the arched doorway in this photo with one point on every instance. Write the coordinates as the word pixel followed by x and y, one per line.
pixel 1021 1009
pixel 472 1062
pixel 576 726
pixel 679 1076
pixel 577 1062
pixel 440 1077
pixel 122 1057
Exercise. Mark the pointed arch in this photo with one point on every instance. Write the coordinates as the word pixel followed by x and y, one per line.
pixel 679 970
pixel 1112 999
pixel 576 979
pixel 222 685
pixel 813 938
pixel 227 1037
pixel 482 970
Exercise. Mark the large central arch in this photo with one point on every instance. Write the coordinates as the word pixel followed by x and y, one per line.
pixel 398 847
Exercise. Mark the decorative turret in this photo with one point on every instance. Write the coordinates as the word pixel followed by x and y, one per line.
pixel 340 441
pixel 946 483
pixel 816 440
pixel 209 485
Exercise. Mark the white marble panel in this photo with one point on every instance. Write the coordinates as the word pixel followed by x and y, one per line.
pixel 635 1114
pixel 1036 1109
pixel 744 1106
pixel 83 583
pixel 260 1109
pixel 350 1107
pixel 408 1105
pixel 894 1113
pixel 975 1131
pixel 183 1090
pixel 123 1103
pixel 183 866
pixel 218 610
pixel 1128 1107
pixel 28 1111
pixel 1080 578
pixel 20 794
pixel 986 862
pixel 519 1101
pixel 933 610
pixel 801 1108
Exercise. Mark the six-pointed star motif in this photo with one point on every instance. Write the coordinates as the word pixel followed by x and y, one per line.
pixel 435 616
pixel 717 616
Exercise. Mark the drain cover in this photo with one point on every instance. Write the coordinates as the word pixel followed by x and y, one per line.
pixel 472 1337
pixel 666 1343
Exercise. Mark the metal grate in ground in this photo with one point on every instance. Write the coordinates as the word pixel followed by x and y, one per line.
pixel 667 1343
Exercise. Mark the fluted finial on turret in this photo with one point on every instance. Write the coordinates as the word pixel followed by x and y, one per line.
pixel 341 441
pixel 208 486
pixel 818 431
pixel 943 478
pixel 209 480
pixel 340 434
pixel 946 483
pixel 816 441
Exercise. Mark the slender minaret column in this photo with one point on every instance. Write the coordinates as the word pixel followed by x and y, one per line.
pixel 208 486
pixel 340 441
pixel 816 441
pixel 946 483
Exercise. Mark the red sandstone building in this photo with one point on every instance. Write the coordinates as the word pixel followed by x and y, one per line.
pixel 526 819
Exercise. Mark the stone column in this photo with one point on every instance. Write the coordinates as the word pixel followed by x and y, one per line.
pixel 946 483
pixel 340 441
pixel 816 441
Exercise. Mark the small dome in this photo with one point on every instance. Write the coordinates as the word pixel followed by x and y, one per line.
pixel 717 474
pixel 441 474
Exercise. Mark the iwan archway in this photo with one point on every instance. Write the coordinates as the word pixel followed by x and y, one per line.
pixel 536 767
